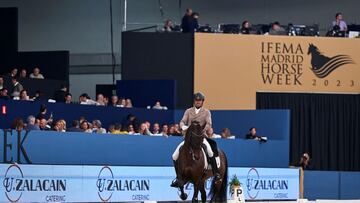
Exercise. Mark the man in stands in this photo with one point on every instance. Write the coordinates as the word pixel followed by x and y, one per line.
pixel 59 95
pixel 17 88
pixel 36 74
pixel 203 116
pixel 1 82
pixel 339 22
pixel 31 123
pixel 100 100
pixel 156 129
pixel 23 73
pixel 75 127
pixel 4 94
pixel 43 125
pixel 68 98
pixel 114 100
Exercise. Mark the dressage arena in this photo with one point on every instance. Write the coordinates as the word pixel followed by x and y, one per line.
pixel 97 95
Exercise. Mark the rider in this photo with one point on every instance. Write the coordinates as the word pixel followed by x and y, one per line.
pixel 203 116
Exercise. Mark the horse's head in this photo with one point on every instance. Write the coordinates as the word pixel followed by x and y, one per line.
pixel 194 134
pixel 312 49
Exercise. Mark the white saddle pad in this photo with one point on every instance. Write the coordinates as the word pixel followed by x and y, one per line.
pixel 207 166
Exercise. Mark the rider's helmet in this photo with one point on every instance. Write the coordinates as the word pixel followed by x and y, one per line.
pixel 199 96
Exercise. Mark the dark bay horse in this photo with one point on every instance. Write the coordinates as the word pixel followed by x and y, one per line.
pixel 191 168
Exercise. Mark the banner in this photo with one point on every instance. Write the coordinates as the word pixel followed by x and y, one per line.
pixel 60 183
pixel 230 69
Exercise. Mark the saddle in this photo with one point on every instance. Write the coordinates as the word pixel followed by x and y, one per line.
pixel 208 166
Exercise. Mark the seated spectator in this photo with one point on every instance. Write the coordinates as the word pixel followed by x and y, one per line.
pixel 24 96
pixel 31 123
pixel 156 129
pixel 245 27
pixel 23 73
pixel 168 26
pixel 173 131
pixel 59 95
pixel 253 136
pixel 210 133
pixel 165 130
pixel 68 98
pixel 116 129
pixel 86 100
pixel 128 103
pixel 60 126
pixel 159 107
pixel 276 29
pixel 36 74
pixel 97 127
pixel 43 124
pixel 13 73
pixel 226 134
pixel 39 96
pixel 4 94
pixel 85 127
pixel 100 101
pixel 75 127
pixel 131 130
pixel 130 120
pixel 143 130
pixel 42 113
pixel 18 124
pixel 1 82
pixel 114 101
pixel 122 102
pixel 17 87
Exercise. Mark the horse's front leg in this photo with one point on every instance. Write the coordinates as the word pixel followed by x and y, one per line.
pixel 196 192
pixel 183 195
pixel 203 192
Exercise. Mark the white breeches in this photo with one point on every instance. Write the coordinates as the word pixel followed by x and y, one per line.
pixel 175 155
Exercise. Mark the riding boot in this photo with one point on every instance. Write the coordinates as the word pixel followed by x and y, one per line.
pixel 175 182
pixel 215 169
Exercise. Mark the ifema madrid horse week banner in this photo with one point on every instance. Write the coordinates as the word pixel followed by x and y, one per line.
pixel 60 183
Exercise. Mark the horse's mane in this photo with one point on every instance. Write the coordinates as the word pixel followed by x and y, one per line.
pixel 193 136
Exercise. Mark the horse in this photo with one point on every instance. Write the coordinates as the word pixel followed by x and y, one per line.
pixel 317 58
pixel 191 168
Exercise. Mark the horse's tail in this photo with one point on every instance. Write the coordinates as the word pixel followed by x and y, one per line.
pixel 219 194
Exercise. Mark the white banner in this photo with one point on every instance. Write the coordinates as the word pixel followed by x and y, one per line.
pixel 60 183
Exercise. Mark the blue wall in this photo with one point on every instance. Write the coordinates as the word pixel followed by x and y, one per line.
pixel 130 150
pixel 331 185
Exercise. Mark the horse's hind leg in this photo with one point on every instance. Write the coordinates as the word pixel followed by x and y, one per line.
pixel 196 193
pixel 203 193
pixel 183 195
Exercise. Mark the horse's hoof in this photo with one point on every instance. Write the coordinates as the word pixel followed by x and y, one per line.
pixel 183 196
pixel 195 200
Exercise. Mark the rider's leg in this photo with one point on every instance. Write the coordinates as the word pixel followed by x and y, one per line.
pixel 214 167
pixel 175 156
pixel 213 146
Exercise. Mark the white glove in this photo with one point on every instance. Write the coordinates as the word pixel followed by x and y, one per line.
pixel 184 127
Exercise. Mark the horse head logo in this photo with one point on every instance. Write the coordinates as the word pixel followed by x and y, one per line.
pixel 322 65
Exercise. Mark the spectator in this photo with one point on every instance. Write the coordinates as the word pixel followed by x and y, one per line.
pixel 111 129
pixel 339 22
pixel 86 100
pixel 36 74
pixel 114 101
pixel 23 73
pixel 100 100
pixel 128 103
pixel 24 96
pixel 13 72
pixel 189 23
pixel 253 136
pixel 43 124
pixel 168 26
pixel 42 113
pixel 173 131
pixel 31 123
pixel 245 27
pixel 210 133
pixel 117 129
pixel 131 120
pixel 158 106
pixel 4 94
pixel 165 130
pixel 122 102
pixel 75 126
pixel 84 126
pixel 1 82
pixel 276 29
pixel 68 98
pixel 59 95
pixel 17 87
pixel 143 130
pixel 97 127
pixel 60 126
pixel 226 133
pixel 131 130
pixel 39 96
pixel 17 124
pixel 156 129
pixel 177 129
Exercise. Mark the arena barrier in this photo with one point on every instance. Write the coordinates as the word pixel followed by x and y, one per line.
pixel 60 183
